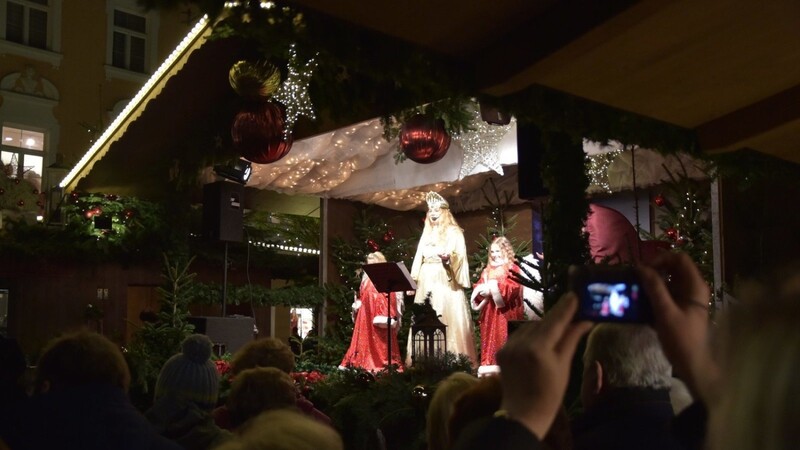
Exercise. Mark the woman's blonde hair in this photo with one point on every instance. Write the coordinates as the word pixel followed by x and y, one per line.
pixel 441 408
pixel 439 230
pixel 505 247
pixel 284 429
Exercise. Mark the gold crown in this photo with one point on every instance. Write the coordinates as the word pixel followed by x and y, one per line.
pixel 433 199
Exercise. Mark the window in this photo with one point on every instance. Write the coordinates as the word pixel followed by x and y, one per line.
pixel 22 154
pixel 129 41
pixel 27 22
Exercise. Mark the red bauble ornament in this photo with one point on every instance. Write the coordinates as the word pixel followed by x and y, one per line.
pixel 89 214
pixel 128 213
pixel 388 236
pixel 257 132
pixel 97 210
pixel 111 197
pixel 671 233
pixel 659 200
pixel 373 245
pixel 424 140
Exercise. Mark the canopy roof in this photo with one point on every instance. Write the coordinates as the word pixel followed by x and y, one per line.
pixel 727 71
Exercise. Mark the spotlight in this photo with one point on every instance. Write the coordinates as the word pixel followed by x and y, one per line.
pixel 238 171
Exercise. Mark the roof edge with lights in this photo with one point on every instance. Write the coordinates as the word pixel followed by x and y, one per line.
pixel 195 39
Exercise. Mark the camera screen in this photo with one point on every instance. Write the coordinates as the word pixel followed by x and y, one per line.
pixel 611 300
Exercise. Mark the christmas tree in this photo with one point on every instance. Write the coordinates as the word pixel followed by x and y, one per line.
pixel 683 219
pixel 499 225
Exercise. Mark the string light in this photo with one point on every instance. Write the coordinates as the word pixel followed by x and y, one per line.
pixel 287 248
pixel 598 169
pixel 293 93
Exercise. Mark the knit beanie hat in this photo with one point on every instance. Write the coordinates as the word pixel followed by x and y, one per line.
pixel 191 375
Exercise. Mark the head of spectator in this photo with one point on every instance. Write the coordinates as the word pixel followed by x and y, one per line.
pixel 284 429
pixel 190 375
pixel 759 359
pixel 81 358
pixel 265 352
pixel 483 400
pixel 622 356
pixel 257 390
pixel 12 367
pixel 442 406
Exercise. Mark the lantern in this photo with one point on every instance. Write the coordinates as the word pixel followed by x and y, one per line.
pixel 428 334
pixel 258 132
pixel 424 140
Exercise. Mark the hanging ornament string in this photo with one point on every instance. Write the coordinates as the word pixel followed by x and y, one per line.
pixel 293 93
pixel 480 144
pixel 632 148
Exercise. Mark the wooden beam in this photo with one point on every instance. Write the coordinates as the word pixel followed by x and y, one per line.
pixel 540 37
pixel 729 131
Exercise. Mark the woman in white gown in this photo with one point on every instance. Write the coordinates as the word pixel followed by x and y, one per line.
pixel 441 268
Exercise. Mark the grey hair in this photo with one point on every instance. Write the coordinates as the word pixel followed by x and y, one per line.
pixel 631 356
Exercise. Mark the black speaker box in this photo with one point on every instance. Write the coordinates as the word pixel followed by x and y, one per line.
pixel 227 333
pixel 223 217
pixel 529 162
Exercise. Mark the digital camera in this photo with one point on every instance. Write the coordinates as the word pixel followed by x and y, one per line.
pixel 610 294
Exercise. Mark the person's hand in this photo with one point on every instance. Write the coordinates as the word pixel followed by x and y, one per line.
pixel 680 309
pixel 445 258
pixel 535 365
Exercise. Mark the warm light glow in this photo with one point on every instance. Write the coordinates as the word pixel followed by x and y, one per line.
pixel 139 100
pixel 287 248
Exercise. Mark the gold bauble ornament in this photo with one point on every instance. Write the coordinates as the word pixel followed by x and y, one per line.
pixel 254 81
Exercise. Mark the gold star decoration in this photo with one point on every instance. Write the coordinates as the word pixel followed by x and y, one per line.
pixel 293 93
pixel 480 145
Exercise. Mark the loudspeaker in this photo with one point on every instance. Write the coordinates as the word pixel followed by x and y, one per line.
pixel 223 217
pixel 529 162
pixel 227 333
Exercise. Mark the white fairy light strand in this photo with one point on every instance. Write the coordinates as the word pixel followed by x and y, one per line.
pixel 287 248
pixel 293 93
pixel 598 169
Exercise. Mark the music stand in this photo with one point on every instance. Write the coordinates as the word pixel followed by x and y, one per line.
pixel 389 277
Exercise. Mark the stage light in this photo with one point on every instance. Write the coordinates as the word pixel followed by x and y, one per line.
pixel 238 171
